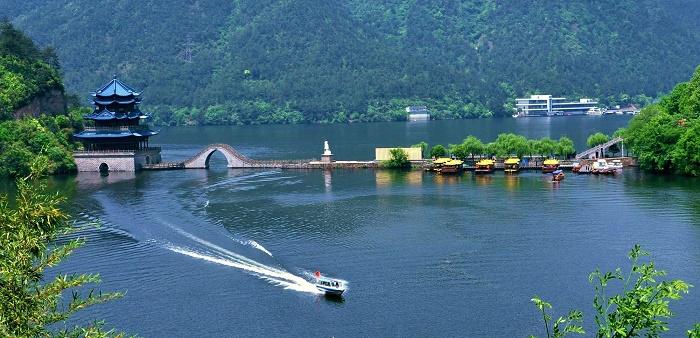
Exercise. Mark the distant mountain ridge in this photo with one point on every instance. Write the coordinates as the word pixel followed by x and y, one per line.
pixel 317 60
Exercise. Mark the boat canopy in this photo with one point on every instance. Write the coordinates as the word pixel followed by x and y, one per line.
pixel 551 161
pixel 512 160
pixel 486 162
pixel 453 162
pixel 442 160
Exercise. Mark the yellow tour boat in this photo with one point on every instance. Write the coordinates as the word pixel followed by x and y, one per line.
pixel 550 165
pixel 511 165
pixel 452 167
pixel 485 166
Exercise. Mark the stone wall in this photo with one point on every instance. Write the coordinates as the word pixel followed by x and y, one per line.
pixel 115 160
pixel 91 161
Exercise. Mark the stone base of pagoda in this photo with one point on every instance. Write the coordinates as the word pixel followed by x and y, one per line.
pixel 115 160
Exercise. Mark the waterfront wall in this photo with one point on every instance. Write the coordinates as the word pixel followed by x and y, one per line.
pixel 91 161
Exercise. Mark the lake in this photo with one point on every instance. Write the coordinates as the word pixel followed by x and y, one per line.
pixel 224 252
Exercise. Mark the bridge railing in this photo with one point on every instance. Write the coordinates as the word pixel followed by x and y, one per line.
pixel 599 147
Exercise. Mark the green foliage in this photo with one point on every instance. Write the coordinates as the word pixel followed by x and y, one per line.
pixel 507 145
pixel 640 309
pixel 398 160
pixel 642 306
pixel 545 146
pixel 510 145
pixel 367 60
pixel 423 147
pixel 457 150
pixel 30 228
pixel 473 145
pixel 561 327
pixel 25 71
pixel 565 147
pixel 48 138
pixel 664 136
pixel 597 139
pixel 438 151
pixel 694 332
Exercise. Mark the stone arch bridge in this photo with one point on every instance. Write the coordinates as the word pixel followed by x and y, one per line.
pixel 235 159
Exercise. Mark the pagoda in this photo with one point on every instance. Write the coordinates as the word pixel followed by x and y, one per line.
pixel 116 135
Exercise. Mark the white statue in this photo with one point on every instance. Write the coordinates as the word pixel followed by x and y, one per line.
pixel 326 149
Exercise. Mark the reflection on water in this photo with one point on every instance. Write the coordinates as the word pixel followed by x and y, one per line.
pixel 511 182
pixel 328 179
pixel 385 178
pixel 96 179
pixel 440 179
pixel 483 179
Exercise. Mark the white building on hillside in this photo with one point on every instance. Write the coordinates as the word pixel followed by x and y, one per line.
pixel 418 113
pixel 546 105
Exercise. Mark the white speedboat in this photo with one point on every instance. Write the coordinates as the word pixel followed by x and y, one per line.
pixel 601 166
pixel 616 165
pixel 331 286
pixel 595 111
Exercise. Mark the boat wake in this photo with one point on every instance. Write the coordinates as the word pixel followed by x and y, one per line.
pixel 215 254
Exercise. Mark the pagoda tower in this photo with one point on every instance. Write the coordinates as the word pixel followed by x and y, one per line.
pixel 116 135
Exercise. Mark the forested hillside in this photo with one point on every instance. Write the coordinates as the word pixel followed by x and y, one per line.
pixel 260 61
pixel 26 71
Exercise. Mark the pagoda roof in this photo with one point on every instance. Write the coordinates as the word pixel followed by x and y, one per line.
pixel 106 101
pixel 92 134
pixel 115 88
pixel 106 115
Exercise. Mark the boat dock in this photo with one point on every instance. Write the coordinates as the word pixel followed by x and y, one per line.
pixel 237 160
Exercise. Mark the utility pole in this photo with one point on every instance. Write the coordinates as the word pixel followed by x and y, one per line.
pixel 186 53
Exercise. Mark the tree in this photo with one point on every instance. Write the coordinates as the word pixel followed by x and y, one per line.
pixel 532 147
pixel 565 147
pixel 652 136
pixel 30 228
pixel 510 144
pixel 597 139
pixel 458 151
pixel 685 155
pixel 423 147
pixel 398 160
pixel 438 151
pixel 546 146
pixel 473 146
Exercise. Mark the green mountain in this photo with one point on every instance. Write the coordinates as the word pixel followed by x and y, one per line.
pixel 29 78
pixel 248 61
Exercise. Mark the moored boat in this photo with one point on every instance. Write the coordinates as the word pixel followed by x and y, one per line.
pixel 616 165
pixel 330 286
pixel 437 164
pixel 511 165
pixel 485 166
pixel 595 111
pixel 452 167
pixel 601 167
pixel 550 165
pixel 576 167
pixel 557 175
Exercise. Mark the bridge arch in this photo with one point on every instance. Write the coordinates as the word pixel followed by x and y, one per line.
pixel 234 159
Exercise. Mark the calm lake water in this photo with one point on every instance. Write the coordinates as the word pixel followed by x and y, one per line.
pixel 224 252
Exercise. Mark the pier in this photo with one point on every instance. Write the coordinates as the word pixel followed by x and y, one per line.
pixel 236 160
